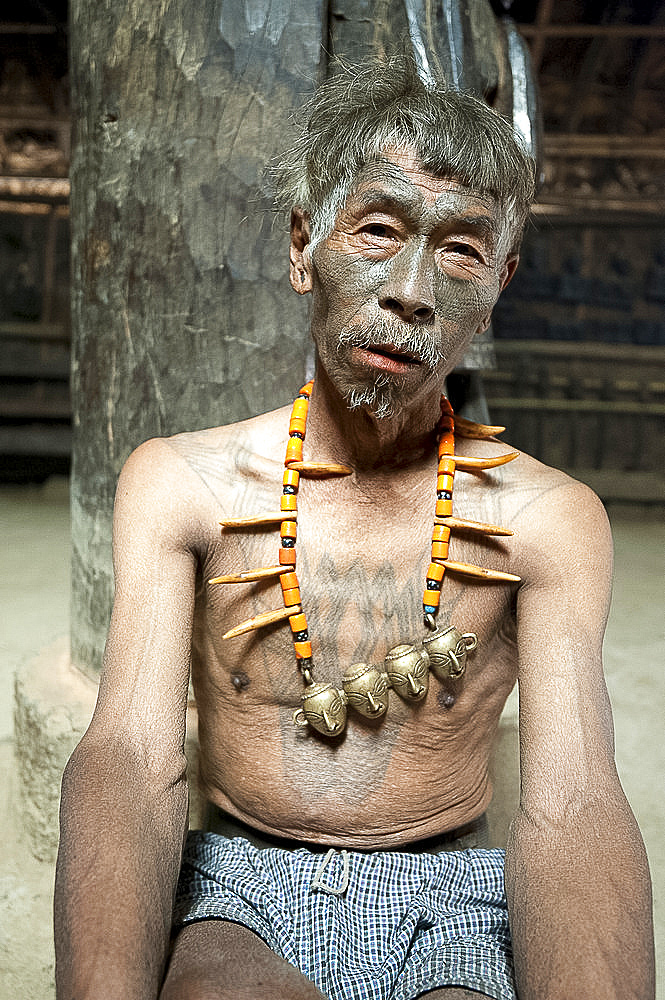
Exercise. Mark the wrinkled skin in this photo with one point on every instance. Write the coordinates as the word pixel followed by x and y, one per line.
pixel 413 266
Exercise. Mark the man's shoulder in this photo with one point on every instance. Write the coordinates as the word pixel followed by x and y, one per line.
pixel 554 516
pixel 202 466
pixel 536 487
pixel 222 446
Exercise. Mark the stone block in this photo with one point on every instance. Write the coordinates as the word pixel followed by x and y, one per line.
pixel 53 704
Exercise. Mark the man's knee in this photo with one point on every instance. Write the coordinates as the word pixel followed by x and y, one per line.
pixel 217 960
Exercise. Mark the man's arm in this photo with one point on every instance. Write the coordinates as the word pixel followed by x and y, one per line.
pixel 124 795
pixel 577 876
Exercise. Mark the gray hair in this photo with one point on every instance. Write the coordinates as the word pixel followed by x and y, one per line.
pixel 363 111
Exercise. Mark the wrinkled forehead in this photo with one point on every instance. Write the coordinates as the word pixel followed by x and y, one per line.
pixel 401 174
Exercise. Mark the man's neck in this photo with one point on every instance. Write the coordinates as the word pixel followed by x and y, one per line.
pixel 368 444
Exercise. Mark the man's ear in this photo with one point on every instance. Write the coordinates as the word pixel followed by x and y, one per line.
pixel 509 269
pixel 505 277
pixel 300 265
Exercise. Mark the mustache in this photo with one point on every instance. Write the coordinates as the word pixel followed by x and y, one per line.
pixel 417 342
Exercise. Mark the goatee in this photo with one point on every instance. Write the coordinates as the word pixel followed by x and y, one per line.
pixel 385 395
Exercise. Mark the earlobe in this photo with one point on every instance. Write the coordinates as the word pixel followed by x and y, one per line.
pixel 300 272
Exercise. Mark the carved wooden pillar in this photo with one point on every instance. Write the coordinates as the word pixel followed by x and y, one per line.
pixel 182 314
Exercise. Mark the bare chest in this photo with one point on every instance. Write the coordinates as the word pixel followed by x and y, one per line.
pixel 361 570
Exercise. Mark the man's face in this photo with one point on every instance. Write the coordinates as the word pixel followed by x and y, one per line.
pixel 410 272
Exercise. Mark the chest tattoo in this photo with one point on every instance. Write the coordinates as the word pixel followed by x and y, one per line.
pixel 443 650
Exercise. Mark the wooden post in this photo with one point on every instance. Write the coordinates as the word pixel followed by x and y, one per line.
pixel 182 313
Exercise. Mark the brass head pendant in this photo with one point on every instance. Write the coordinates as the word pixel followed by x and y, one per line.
pixel 365 687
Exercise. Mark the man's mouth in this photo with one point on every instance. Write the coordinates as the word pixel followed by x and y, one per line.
pixel 388 358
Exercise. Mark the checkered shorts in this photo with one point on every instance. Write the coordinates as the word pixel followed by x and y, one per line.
pixel 388 925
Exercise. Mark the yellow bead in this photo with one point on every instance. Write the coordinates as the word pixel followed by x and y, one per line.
pixel 293 450
pixel 439 550
pixel 435 571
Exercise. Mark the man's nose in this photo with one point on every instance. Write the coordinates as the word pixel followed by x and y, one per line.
pixel 409 287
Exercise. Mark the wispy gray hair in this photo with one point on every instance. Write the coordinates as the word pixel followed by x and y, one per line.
pixel 364 110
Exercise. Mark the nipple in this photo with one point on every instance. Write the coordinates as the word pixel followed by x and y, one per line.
pixel 446 699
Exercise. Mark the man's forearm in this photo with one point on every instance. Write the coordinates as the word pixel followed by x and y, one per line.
pixel 121 841
pixel 579 898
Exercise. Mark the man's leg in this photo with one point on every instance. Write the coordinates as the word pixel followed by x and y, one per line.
pixel 218 960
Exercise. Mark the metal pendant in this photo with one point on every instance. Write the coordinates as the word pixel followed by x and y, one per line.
pixel 366 688
pixel 447 649
pixel 408 671
pixel 323 708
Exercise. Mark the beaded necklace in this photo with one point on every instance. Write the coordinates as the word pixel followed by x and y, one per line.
pixel 406 667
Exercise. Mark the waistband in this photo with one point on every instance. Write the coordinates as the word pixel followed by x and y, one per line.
pixel 471 835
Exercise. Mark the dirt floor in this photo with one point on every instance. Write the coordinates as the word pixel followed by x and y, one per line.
pixel 34 593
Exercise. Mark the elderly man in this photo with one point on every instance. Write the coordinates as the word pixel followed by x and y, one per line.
pixel 385 572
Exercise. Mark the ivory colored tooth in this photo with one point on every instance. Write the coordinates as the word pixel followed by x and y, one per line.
pixel 251 574
pixel 465 462
pixel 470 429
pixel 477 526
pixel 272 517
pixel 321 468
pixel 479 572
pixel 267 618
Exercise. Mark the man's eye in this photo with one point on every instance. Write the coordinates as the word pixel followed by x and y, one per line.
pixel 465 250
pixel 376 229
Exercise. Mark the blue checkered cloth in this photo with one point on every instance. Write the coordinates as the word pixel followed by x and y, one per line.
pixel 388 925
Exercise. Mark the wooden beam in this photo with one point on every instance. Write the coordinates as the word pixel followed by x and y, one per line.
pixel 543 17
pixel 27 188
pixel 539 32
pixel 579 209
pixel 605 146
pixel 649 354
pixel 17 28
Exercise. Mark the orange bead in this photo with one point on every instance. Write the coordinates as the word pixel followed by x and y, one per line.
pixel 439 550
pixel 432 597
pixel 447 464
pixel 291 597
pixel 307 388
pixel 287 557
pixel 443 508
pixel 288 581
pixel 288 502
pixel 289 529
pixel 298 424
pixel 291 477
pixel 435 571
pixel 303 650
pixel 444 482
pixel 300 408
pixel 440 533
pixel 293 450
pixel 298 623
